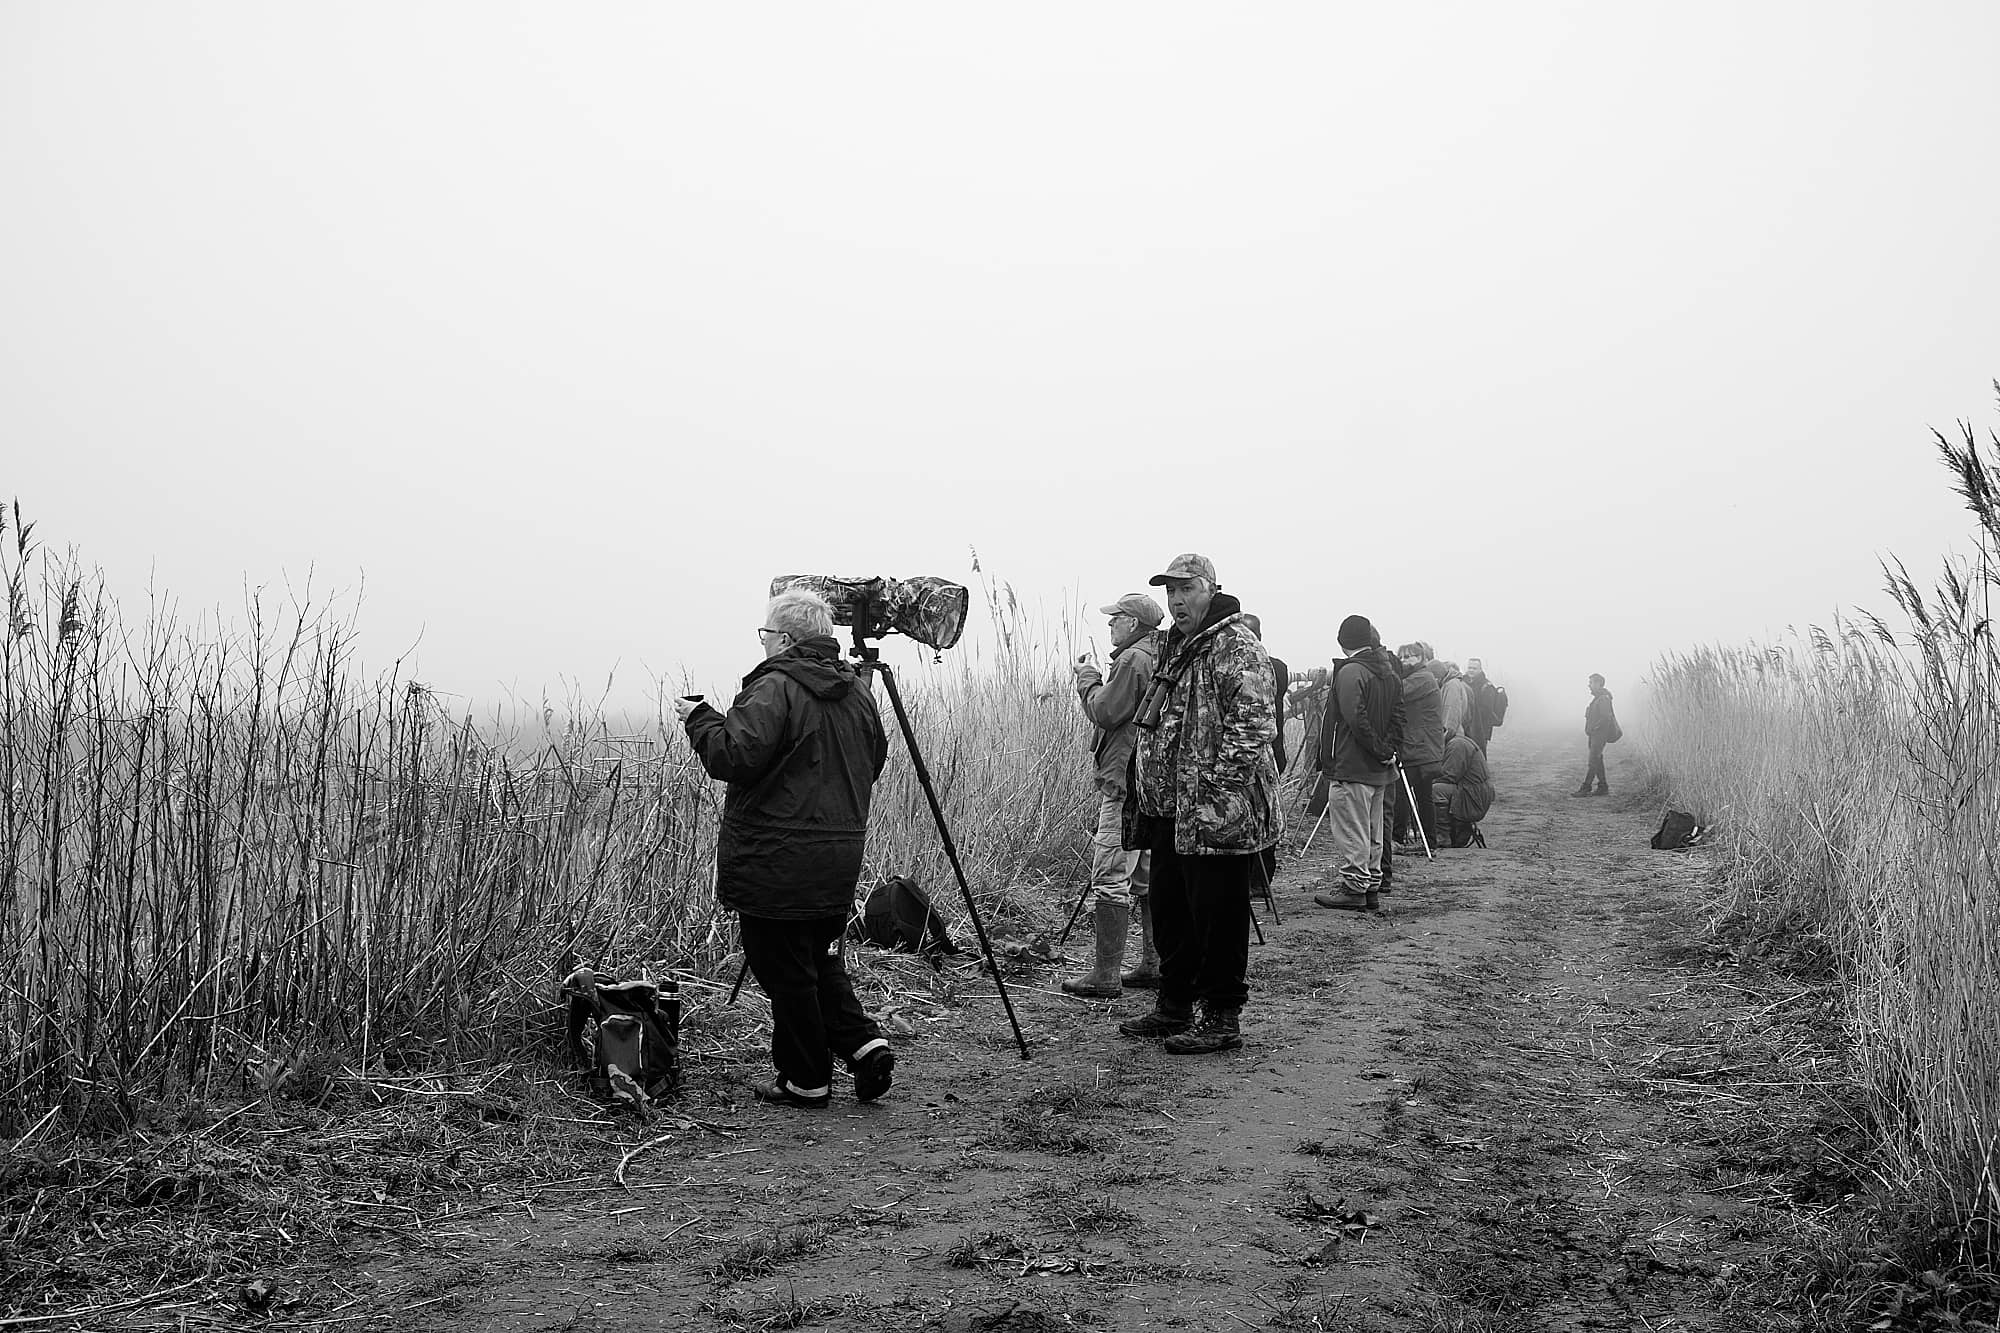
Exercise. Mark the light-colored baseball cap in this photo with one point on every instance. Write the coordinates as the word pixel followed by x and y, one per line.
pixel 1189 566
pixel 1138 606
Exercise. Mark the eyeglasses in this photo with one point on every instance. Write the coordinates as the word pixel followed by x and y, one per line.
pixel 762 630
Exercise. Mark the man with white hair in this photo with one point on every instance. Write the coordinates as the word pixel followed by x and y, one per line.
pixel 1205 804
pixel 800 747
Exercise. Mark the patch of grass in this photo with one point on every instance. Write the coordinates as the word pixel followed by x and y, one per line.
pixel 755 1256
pixel 1070 1209
pixel 981 1248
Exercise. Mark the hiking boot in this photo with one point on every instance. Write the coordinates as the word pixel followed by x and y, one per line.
pixel 1146 976
pixel 1112 921
pixel 1165 1020
pixel 873 1070
pixel 1348 901
pixel 1602 791
pixel 1584 790
pixel 1217 1031
pixel 780 1093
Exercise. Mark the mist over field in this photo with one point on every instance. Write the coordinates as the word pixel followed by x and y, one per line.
pixel 1557 337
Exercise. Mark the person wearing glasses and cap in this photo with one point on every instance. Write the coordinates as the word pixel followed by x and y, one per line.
pixel 1205 804
pixel 1118 876
pixel 800 747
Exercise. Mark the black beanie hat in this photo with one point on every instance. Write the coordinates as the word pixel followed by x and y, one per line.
pixel 1356 632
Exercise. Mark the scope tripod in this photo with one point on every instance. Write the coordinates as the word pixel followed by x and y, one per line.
pixel 869 658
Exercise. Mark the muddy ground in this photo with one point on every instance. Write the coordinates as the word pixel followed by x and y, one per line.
pixel 1530 1094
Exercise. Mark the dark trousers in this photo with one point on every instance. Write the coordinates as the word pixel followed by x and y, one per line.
pixel 814 1014
pixel 1201 924
pixel 1595 773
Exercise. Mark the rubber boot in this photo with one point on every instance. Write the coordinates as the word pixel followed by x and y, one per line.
pixel 1217 1031
pixel 1165 1020
pixel 1111 920
pixel 1146 976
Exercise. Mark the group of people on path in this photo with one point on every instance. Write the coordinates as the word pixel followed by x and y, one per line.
pixel 1188 752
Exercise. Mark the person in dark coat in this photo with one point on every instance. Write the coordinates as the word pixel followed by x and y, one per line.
pixel 1358 754
pixel 1600 728
pixel 800 747
pixel 1464 789
pixel 1423 741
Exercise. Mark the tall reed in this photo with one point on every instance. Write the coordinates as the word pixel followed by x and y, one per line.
pixel 225 849
pixel 1854 779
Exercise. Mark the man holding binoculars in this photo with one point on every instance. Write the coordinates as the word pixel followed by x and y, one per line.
pixel 1205 805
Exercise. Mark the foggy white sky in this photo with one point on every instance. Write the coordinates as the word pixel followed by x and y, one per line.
pixel 1556 334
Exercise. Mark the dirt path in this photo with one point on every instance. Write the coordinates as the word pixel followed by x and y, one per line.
pixel 1520 1098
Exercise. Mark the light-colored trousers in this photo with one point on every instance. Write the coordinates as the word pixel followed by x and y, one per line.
pixel 1116 875
pixel 1354 826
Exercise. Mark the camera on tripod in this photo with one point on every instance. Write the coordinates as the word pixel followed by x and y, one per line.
pixel 929 610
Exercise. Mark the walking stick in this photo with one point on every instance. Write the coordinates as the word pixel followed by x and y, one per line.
pixel 1416 816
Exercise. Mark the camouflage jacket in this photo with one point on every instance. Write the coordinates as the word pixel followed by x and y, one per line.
pixel 1207 764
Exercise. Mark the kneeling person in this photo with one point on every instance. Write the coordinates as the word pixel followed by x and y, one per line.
pixel 1464 791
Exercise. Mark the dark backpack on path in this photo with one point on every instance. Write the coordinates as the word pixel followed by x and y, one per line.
pixel 897 914
pixel 1679 829
pixel 628 1034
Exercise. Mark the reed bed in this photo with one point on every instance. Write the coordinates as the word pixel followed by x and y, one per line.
pixel 229 857
pixel 1853 778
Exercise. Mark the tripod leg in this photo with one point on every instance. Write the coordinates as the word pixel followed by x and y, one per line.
pixel 1270 898
pixel 950 848
pixel 1416 817
pixel 1074 913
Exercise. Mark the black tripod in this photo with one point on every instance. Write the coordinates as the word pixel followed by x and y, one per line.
pixel 870 659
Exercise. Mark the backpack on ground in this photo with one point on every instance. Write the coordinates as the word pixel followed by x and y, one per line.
pixel 1677 830
pixel 1493 704
pixel 897 914
pixel 627 1033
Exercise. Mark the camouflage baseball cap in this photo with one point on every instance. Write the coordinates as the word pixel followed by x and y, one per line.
pixel 1189 566
pixel 1138 606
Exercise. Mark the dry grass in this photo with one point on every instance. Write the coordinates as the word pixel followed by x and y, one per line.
pixel 1853 778
pixel 228 860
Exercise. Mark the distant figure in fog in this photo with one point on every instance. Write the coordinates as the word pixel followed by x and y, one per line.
pixel 1119 878
pixel 1600 728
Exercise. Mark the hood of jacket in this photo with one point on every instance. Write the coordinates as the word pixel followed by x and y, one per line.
pixel 1444 671
pixel 815 663
pixel 1378 662
pixel 1419 685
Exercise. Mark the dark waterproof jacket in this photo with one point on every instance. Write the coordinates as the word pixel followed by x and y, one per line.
pixel 1598 719
pixel 1423 721
pixel 1478 722
pixel 1464 783
pixel 800 748
pixel 1360 736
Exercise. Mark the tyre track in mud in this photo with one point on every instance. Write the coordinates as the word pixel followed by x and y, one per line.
pixel 1505 1103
